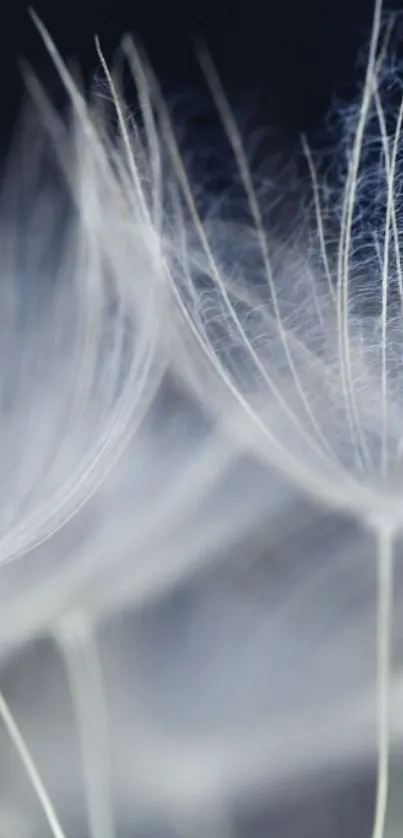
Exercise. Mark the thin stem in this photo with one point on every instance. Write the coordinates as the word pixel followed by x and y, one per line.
pixel 214 823
pixel 36 781
pixel 385 544
pixel 76 640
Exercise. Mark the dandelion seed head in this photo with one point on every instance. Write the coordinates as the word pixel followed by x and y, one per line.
pixel 302 330
pixel 169 344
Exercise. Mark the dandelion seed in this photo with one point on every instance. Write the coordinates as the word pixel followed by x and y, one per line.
pixel 305 380
pixel 133 488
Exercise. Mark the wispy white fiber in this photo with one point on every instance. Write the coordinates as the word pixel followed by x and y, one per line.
pixel 307 381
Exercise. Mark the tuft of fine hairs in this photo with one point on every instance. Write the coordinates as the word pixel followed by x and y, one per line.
pixel 201 510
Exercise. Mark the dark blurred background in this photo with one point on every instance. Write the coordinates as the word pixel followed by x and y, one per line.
pixel 287 58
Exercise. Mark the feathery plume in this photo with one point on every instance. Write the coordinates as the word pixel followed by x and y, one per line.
pixel 302 376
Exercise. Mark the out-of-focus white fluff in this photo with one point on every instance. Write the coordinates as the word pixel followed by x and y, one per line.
pixel 119 484
pixel 184 636
pixel 81 340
